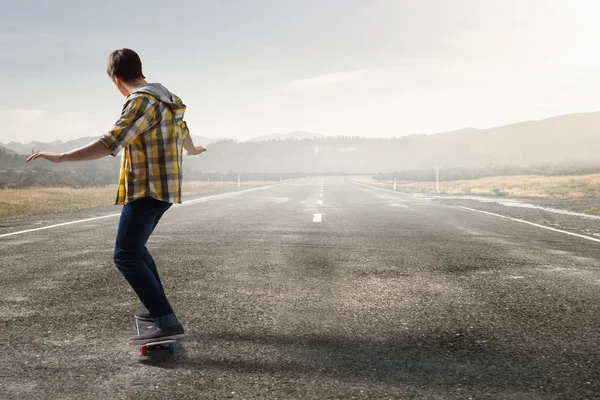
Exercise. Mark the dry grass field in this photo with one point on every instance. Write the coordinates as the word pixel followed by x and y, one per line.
pixel 560 187
pixel 14 202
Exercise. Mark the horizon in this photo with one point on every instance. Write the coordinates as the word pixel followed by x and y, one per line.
pixel 386 69
pixel 324 135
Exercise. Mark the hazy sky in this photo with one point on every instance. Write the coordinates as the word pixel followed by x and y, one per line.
pixel 346 67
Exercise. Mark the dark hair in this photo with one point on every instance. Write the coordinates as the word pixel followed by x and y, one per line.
pixel 124 64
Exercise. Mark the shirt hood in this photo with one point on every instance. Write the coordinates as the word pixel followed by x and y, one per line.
pixel 163 94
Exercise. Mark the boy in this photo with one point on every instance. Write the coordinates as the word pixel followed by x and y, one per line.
pixel 152 132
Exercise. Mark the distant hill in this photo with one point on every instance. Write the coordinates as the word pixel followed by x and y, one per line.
pixel 283 136
pixel 6 150
pixel 562 139
pixel 558 141
pixel 58 146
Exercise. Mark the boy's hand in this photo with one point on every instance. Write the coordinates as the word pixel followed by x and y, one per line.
pixel 197 150
pixel 54 157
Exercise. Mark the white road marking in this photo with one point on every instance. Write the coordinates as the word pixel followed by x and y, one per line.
pixel 321 195
pixel 198 200
pixel 57 225
pixel 387 190
pixel 489 213
pixel 218 196
pixel 320 202
pixel 534 224
pixel 317 218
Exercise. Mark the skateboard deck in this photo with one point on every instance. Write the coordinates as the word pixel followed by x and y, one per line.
pixel 143 326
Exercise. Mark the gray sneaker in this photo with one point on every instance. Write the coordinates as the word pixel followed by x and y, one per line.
pixel 143 314
pixel 156 335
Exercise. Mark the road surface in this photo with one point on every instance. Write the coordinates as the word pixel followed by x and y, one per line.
pixel 311 289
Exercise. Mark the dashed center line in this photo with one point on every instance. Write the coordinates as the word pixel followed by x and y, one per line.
pixel 317 218
pixel 320 202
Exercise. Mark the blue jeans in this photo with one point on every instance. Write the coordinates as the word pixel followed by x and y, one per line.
pixel 138 220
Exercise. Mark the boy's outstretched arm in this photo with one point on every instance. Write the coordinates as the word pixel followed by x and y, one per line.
pixel 92 151
pixel 190 149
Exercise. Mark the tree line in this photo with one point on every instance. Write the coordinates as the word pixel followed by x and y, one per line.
pixel 409 158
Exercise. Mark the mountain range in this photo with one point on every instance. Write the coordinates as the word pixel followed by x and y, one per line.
pixel 565 139
pixel 58 146
pixel 6 150
pixel 571 138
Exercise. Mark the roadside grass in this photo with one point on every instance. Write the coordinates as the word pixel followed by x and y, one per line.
pixel 558 187
pixel 592 211
pixel 15 202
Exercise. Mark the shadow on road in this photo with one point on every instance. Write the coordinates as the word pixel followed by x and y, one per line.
pixel 442 360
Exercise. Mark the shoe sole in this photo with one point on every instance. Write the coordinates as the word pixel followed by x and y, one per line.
pixel 156 341
pixel 147 319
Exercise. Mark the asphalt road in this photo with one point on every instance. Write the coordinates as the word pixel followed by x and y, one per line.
pixel 387 297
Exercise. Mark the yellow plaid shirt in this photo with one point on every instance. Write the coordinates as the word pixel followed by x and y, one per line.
pixel 151 132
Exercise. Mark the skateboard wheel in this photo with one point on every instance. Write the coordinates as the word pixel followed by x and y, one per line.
pixel 171 348
pixel 143 350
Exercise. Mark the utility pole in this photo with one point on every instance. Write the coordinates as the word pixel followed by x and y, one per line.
pixel 239 180
pixel 437 179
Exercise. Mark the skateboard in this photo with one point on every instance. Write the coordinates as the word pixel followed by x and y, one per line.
pixel 143 326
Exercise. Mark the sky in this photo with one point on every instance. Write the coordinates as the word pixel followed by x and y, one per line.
pixel 376 68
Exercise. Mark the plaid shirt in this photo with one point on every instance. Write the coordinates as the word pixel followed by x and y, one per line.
pixel 151 132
